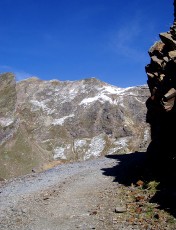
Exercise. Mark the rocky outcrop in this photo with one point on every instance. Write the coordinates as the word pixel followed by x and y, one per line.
pixel 68 121
pixel 8 98
pixel 162 84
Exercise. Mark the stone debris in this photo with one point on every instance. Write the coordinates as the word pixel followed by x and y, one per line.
pixel 120 209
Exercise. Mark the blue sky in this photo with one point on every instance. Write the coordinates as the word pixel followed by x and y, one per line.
pixel 77 39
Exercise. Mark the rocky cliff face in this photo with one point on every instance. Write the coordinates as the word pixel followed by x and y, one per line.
pixel 161 104
pixel 47 122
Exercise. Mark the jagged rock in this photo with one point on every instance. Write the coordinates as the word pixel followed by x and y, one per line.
pixel 168 40
pixel 172 54
pixel 71 121
pixel 166 59
pixel 161 112
pixel 157 49
pixel 157 60
pixel 150 75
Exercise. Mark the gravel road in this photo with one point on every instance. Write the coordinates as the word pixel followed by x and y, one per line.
pixel 70 196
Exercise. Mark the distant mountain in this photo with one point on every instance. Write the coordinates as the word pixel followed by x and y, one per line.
pixel 42 122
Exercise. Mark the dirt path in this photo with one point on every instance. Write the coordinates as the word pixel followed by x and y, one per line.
pixel 71 196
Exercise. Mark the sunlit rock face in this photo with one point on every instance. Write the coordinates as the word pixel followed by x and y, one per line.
pixel 67 121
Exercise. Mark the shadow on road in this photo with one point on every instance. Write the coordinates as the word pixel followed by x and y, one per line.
pixel 133 167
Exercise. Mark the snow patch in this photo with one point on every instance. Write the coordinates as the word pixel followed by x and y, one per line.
pixel 4 122
pixel 42 105
pixel 97 146
pixel 59 153
pixel 61 120
pixel 100 97
pixel 113 150
pixel 68 93
pixel 122 142
pixel 107 94
pixel 79 143
pixel 115 90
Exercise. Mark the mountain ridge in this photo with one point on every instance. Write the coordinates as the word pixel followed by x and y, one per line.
pixel 68 121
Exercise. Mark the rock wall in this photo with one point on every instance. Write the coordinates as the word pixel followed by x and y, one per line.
pixel 161 105
pixel 52 122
